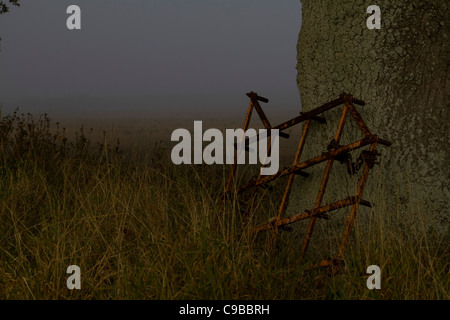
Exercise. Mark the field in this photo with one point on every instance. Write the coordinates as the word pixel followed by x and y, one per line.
pixel 141 227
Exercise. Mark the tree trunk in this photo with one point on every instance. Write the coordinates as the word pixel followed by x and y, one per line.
pixel 401 71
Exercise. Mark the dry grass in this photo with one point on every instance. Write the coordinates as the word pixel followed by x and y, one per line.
pixel 140 227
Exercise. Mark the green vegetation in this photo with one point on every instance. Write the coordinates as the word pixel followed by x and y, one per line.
pixel 140 227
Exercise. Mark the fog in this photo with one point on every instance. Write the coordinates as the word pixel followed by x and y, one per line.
pixel 133 58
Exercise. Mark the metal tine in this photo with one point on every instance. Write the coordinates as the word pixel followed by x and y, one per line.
pixel 324 183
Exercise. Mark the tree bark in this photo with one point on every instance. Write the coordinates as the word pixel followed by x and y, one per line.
pixel 401 71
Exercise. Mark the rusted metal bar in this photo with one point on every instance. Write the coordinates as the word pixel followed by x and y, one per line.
pixel 254 95
pixel 268 150
pixel 287 191
pixel 350 98
pixel 358 119
pixel 324 183
pixel 265 120
pixel 234 167
pixel 302 173
pixel 357 101
pixel 319 119
pixel 274 223
pixel 301 145
pixel 297 157
pixel 261 114
pixel 359 193
pixel 384 142
pixel 247 140
pixel 310 114
pixel 313 114
pixel 311 162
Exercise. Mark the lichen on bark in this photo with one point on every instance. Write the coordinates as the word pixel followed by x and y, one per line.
pixel 402 73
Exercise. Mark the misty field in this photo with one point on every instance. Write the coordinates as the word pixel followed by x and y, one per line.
pixel 140 227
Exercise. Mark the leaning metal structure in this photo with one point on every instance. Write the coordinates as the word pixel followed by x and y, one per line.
pixel 334 152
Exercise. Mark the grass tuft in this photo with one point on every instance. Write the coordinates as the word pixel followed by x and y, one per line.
pixel 140 227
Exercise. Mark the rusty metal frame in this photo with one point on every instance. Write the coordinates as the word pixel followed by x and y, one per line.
pixel 335 151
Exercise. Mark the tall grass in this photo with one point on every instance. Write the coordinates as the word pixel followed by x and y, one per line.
pixel 140 227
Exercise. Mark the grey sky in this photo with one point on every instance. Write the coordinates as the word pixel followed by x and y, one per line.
pixel 177 56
